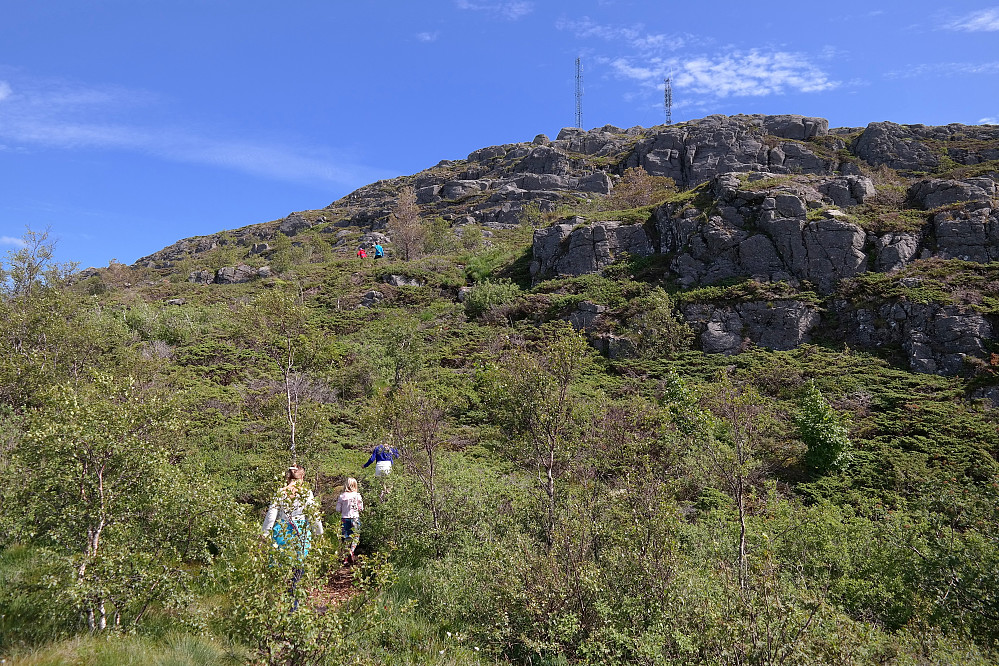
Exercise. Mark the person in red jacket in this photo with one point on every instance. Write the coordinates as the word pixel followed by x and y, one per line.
pixel 361 253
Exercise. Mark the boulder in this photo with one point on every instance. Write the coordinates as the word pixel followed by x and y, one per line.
pixel 835 250
pixel 546 181
pixel 293 224
pixel 458 189
pixel 371 298
pixel 613 346
pixel 585 316
pixel 598 182
pixel 235 274
pixel 201 277
pixel 428 194
pixel 792 126
pixel 545 160
pixel 403 281
pixel 894 250
pixel 848 191
pixel 372 238
pixel 933 193
pixel 895 146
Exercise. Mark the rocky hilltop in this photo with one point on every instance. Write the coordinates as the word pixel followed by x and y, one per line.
pixel 781 230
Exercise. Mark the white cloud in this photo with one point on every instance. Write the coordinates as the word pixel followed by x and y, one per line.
pixel 66 117
pixel 647 57
pixel 10 240
pixel 635 36
pixel 738 74
pixel 984 20
pixel 625 69
pixel 5 90
pixel 510 9
pixel 992 120
pixel 753 73
pixel 427 36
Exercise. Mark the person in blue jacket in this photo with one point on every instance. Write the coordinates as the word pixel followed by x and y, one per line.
pixel 379 251
pixel 383 456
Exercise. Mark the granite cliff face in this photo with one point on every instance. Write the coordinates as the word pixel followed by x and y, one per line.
pixel 811 227
pixel 782 200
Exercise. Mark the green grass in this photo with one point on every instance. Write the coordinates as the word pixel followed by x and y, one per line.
pixel 737 290
pixel 174 649
pixel 639 215
pixel 943 282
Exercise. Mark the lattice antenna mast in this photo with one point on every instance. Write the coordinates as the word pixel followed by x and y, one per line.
pixel 668 97
pixel 579 93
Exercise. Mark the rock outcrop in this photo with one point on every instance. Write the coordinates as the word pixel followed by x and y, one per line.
pixel 697 151
pixel 229 275
pixel 728 329
pixel 935 338
pixel 573 248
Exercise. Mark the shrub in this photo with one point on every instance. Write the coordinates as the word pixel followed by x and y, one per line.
pixel 659 331
pixel 820 429
pixel 487 294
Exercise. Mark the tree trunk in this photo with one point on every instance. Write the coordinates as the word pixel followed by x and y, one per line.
pixel 290 411
pixel 740 501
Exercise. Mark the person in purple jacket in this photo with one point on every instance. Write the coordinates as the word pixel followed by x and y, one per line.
pixel 383 456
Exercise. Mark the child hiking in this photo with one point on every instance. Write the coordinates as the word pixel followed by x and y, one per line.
pixel 350 505
pixel 383 456
pixel 291 518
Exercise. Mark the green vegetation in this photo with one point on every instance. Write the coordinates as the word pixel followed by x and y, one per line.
pixel 551 505
pixel 946 282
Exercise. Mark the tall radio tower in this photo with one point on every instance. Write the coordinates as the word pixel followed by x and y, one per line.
pixel 579 93
pixel 668 97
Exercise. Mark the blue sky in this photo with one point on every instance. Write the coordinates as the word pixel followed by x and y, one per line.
pixel 126 125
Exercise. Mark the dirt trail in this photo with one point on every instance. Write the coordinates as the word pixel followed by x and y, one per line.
pixel 338 589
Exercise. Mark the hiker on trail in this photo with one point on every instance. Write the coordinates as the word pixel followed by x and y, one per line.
pixel 291 519
pixel 383 456
pixel 293 514
pixel 361 253
pixel 379 251
pixel 350 505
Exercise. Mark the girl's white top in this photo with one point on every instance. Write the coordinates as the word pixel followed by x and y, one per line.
pixel 350 505
pixel 287 507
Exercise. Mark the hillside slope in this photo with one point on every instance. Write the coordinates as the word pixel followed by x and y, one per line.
pixel 879 238
pixel 723 392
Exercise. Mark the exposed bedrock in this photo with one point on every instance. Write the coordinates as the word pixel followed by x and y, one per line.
pixel 728 329
pixel 696 151
pixel 935 338
pixel 573 248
